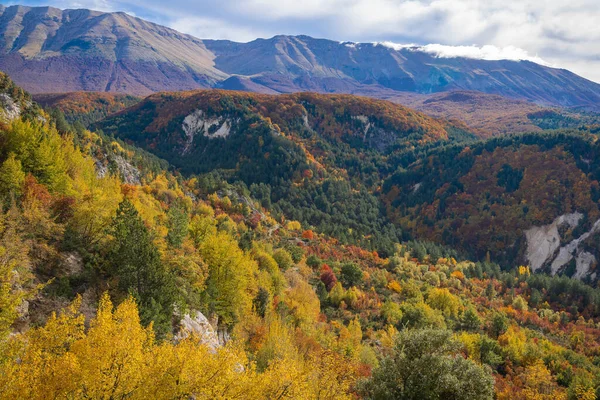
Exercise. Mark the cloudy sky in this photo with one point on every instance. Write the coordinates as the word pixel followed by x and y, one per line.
pixel 561 33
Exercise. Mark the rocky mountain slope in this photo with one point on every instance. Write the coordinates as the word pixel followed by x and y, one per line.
pixel 14 101
pixel 285 64
pixel 87 50
pixel 93 51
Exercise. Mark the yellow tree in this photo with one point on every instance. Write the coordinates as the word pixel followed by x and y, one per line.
pixel 539 384
pixel 15 274
pixel 231 284
pixel 46 368
pixel 303 302
pixel 446 302
pixel 331 376
pixel 11 176
pixel 113 353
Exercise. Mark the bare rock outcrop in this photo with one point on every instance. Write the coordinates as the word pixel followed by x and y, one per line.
pixel 199 327
pixel 546 247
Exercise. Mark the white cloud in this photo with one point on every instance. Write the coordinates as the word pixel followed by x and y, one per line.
pixel 487 52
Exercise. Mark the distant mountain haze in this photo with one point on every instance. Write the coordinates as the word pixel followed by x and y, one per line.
pixel 74 50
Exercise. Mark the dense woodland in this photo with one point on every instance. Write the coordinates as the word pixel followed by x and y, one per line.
pixel 372 173
pixel 84 108
pixel 317 159
pixel 105 248
pixel 482 196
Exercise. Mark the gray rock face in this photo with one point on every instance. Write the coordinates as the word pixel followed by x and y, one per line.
pixel 9 110
pixel 374 136
pixel 72 263
pixel 199 327
pixel 543 241
pixel 197 123
pixel 129 173
pixel 546 248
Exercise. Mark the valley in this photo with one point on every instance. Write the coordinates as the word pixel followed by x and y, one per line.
pixel 291 217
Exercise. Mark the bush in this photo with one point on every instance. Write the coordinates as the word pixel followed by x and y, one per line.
pixel 283 259
pixel 391 312
pixel 420 315
pixel 351 275
pixel 427 364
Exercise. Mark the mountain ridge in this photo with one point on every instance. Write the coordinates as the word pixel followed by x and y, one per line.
pixel 115 52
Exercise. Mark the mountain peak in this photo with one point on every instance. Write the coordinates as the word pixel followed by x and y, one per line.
pixel 114 52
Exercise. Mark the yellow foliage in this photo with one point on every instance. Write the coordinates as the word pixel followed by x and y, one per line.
pixel 117 358
pixel 231 286
pixel 539 384
pixel 116 147
pixel 524 270
pixel 446 302
pixel 151 211
pixel 96 207
pixel 513 342
pixel 293 226
pixel 15 271
pixel 583 392
pixel 303 303
pixel 394 286
pixel 337 294
pixel 458 275
pixel 277 344
pixel 470 341
pixel 387 337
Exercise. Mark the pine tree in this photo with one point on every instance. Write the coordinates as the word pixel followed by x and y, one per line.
pixel 470 321
pixel 135 261
pixel 178 225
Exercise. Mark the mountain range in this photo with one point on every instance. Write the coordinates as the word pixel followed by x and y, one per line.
pixel 76 50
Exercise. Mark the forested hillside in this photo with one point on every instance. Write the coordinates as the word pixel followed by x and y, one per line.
pixel 490 115
pixel 315 158
pixel 486 197
pixel 85 108
pixel 121 277
pixel 370 172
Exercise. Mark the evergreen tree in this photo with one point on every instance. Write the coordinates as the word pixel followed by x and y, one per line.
pixel 178 225
pixel 351 275
pixel 498 324
pixel 135 261
pixel 470 321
